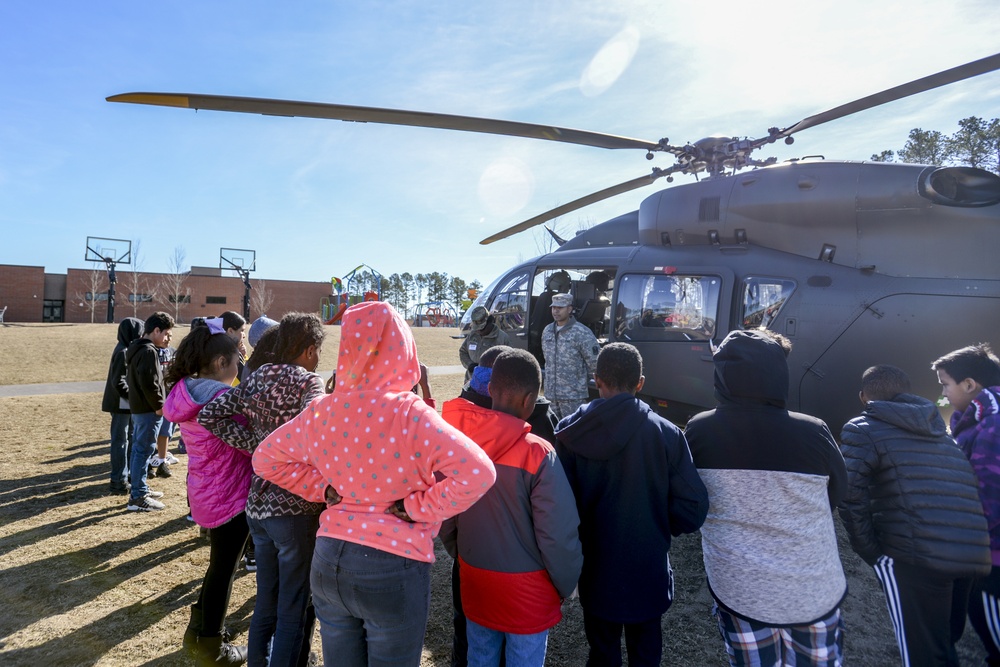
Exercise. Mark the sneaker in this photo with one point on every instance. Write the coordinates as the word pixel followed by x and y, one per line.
pixel 118 489
pixel 250 562
pixel 154 494
pixel 181 447
pixel 171 459
pixel 163 470
pixel 145 504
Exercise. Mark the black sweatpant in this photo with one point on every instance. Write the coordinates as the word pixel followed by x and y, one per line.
pixel 927 611
pixel 984 613
pixel 227 543
pixel 643 642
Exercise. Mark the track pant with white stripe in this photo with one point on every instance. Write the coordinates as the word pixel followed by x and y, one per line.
pixel 927 611
pixel 984 613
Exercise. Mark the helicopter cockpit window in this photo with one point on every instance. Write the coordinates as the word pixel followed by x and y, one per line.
pixel 763 299
pixel 667 307
pixel 510 305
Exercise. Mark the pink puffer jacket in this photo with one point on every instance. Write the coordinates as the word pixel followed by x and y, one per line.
pixel 218 475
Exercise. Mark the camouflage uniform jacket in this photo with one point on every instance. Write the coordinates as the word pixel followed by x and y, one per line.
pixel 570 359
pixel 478 342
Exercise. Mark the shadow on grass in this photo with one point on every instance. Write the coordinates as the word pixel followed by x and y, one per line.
pixel 29 496
pixel 88 644
pixel 39 533
pixel 62 582
pixel 103 452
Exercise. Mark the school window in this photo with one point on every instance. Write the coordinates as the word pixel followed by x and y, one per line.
pixel 215 299
pixel 101 296
pixel 763 299
pixel 667 307
pixel 140 298
pixel 179 298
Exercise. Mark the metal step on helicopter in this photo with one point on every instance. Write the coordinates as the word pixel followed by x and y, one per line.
pixel 857 263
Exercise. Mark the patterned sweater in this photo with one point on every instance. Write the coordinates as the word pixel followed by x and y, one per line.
pixel 268 399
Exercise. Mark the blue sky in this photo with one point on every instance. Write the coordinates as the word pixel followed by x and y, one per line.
pixel 316 198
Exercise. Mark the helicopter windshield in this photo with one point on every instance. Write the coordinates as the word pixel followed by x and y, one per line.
pixel 667 307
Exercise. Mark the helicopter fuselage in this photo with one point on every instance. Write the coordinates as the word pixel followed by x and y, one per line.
pixel 856 263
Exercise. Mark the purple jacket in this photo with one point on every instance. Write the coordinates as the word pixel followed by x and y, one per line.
pixel 218 475
pixel 977 431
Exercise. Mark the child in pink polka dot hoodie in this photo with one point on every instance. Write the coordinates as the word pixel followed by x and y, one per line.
pixel 391 470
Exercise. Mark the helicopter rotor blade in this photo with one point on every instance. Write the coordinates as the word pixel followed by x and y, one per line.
pixel 592 198
pixel 271 107
pixel 960 73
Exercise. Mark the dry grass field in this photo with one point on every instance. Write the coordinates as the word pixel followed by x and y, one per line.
pixel 83 582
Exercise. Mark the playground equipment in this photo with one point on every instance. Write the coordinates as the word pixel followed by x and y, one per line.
pixel 435 314
pixel 348 291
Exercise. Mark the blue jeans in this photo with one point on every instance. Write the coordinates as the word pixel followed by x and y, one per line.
pixel 119 446
pixel 372 605
pixel 522 650
pixel 145 426
pixel 165 430
pixel 284 550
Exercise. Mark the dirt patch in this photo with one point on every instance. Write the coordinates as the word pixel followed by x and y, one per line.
pixel 86 583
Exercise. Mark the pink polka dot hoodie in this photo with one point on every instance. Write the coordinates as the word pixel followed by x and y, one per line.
pixel 375 442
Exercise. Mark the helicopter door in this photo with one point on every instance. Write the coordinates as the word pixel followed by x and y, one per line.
pixel 672 318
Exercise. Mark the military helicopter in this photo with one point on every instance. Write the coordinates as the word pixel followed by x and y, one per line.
pixel 857 263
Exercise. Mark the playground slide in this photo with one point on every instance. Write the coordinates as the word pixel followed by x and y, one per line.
pixel 336 316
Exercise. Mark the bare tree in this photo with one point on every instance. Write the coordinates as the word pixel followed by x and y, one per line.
pixel 261 298
pixel 97 290
pixel 136 282
pixel 171 292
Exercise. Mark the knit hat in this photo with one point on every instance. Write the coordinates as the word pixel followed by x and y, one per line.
pixel 480 380
pixel 258 328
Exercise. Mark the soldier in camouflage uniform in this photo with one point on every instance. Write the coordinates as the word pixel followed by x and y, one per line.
pixel 570 351
pixel 484 334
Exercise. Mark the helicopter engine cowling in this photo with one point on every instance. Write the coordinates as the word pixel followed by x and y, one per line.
pixel 960 186
pixel 890 218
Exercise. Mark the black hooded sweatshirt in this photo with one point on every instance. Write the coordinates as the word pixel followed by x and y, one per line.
pixel 144 373
pixel 773 477
pixel 116 386
pixel 635 487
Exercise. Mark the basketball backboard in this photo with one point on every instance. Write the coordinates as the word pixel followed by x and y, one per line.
pixel 109 251
pixel 236 259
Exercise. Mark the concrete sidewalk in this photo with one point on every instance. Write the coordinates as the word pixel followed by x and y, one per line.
pixel 98 386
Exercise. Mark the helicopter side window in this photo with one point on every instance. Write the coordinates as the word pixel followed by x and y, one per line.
pixel 510 306
pixel 667 307
pixel 763 299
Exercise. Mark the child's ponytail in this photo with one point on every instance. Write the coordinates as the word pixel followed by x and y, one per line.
pixel 197 352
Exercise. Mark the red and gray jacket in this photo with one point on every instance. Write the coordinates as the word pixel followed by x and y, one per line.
pixel 518 547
